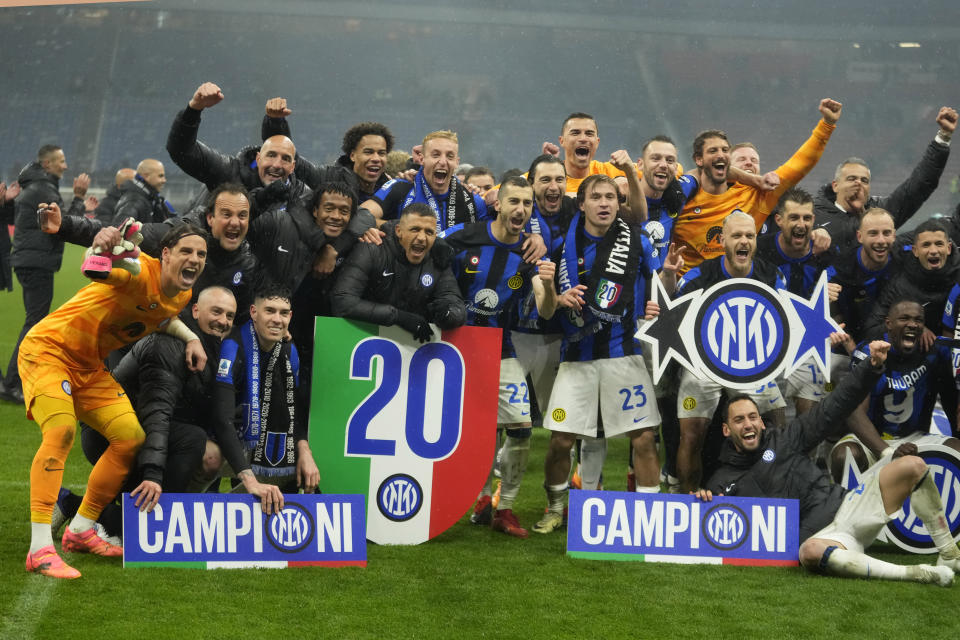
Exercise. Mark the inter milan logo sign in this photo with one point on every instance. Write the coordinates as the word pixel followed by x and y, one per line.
pixel 740 333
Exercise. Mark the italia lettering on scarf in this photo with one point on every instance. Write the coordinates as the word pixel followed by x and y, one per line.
pixel 273 452
pixel 458 200
pixel 610 282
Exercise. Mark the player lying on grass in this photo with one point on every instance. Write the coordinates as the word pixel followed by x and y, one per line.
pixel 61 363
pixel 836 525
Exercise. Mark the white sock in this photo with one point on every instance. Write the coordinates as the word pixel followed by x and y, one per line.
pixel 926 502
pixel 593 453
pixel 852 564
pixel 654 489
pixel 40 536
pixel 516 452
pixel 556 496
pixel 80 523
pixel 488 485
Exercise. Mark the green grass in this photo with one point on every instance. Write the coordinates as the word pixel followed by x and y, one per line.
pixel 468 582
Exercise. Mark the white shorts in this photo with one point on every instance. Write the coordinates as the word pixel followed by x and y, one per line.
pixel 514 402
pixel 620 386
pixel 860 517
pixel 807 382
pixel 539 356
pixel 917 437
pixel 698 398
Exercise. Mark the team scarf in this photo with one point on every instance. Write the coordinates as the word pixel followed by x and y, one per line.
pixel 609 293
pixel 273 451
pixel 458 200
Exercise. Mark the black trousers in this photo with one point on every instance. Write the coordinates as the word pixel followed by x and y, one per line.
pixel 37 285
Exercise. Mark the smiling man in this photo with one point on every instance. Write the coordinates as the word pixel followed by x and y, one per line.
pixel 835 525
pixel 398 282
pixel 493 278
pixel 61 361
pixel 900 406
pixel 434 185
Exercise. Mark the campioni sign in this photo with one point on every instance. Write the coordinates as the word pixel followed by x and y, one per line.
pixel 230 531
pixel 412 427
pixel 657 527
pixel 740 333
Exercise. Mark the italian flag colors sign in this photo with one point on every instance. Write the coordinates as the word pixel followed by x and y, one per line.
pixel 410 426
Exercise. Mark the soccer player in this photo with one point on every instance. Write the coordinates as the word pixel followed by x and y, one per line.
pixel 665 193
pixel 579 139
pixel 835 525
pixel 259 372
pixel 434 184
pixel 900 406
pixel 698 226
pixel 493 277
pixel 840 203
pixel 604 266
pixel 697 399
pixel 791 251
pixel 64 379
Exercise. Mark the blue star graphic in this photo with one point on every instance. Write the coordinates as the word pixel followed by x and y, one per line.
pixel 817 325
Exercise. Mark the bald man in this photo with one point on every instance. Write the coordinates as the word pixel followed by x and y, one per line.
pixel 140 196
pixel 106 210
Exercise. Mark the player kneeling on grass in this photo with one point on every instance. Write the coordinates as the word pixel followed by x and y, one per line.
pixel 260 424
pixel 61 363
pixel 836 525
pixel 604 265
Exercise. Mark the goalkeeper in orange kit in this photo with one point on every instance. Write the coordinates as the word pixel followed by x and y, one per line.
pixel 61 364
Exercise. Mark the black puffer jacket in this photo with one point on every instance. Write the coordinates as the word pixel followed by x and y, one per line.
pixel 912 282
pixel 781 467
pixel 141 201
pixel 161 388
pixel 106 211
pixel 32 248
pixel 6 272
pixel 905 200
pixel 375 282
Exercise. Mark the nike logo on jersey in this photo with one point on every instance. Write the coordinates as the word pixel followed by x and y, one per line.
pixel 641 419
pixel 386 273
pixel 281 249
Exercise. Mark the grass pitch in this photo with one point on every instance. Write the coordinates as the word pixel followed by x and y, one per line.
pixel 469 582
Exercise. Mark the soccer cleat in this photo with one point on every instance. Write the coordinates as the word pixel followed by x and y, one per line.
pixel 59 517
pixel 482 511
pixel 550 522
pixel 89 542
pixel 495 500
pixel 505 521
pixel 47 562
pixel 952 563
pixel 929 574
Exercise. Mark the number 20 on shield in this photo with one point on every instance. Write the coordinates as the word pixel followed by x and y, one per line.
pixel 420 389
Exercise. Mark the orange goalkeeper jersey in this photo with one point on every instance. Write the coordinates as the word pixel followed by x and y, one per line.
pixel 104 316
pixel 699 225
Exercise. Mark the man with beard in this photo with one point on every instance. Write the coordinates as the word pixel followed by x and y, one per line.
pixel 493 277
pixel 434 185
pixel 604 266
pixel 665 193
pixel 791 250
pixel 863 270
pixel 835 525
pixel 398 282
pixel 260 425
pixel 926 271
pixel 365 148
pixel 697 399
pixel 698 227
pixel 899 409
pixel 61 365
pixel 840 204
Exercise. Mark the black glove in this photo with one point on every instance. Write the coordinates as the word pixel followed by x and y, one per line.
pixel 442 254
pixel 416 325
pixel 672 198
